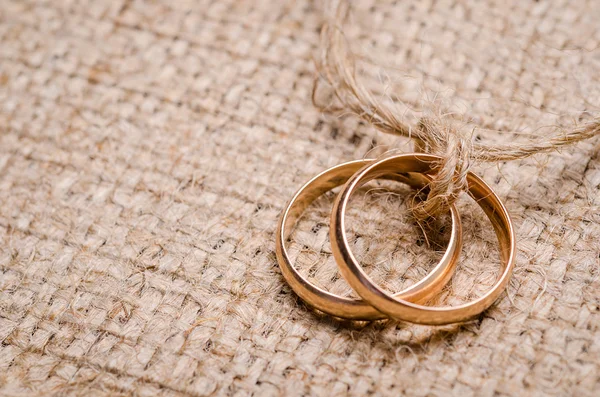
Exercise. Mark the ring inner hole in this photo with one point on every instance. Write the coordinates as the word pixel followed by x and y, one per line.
pixel 396 253
pixel 385 239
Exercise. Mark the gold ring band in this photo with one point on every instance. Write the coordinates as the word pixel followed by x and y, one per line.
pixel 393 306
pixel 349 308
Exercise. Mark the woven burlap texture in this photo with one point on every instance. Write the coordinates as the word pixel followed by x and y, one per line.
pixel 147 149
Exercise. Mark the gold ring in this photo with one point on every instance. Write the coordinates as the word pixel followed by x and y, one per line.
pixel 396 307
pixel 356 309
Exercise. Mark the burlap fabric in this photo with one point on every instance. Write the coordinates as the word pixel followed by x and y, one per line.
pixel 146 151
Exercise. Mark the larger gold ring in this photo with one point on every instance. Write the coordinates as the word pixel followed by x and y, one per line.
pixel 349 308
pixel 384 301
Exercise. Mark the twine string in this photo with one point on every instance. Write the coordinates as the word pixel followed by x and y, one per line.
pixel 435 135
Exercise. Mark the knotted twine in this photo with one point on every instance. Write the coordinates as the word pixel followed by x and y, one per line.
pixel 440 136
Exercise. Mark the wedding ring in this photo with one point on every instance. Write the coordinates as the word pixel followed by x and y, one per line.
pixel 394 306
pixel 338 306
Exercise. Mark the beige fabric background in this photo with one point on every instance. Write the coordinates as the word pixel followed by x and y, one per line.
pixel 147 148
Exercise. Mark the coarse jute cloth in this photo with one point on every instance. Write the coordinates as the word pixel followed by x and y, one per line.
pixel 147 149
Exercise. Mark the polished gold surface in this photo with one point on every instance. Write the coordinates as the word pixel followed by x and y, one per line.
pixel 395 306
pixel 346 307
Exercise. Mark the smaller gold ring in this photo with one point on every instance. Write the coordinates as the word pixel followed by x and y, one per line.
pixel 396 307
pixel 348 308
